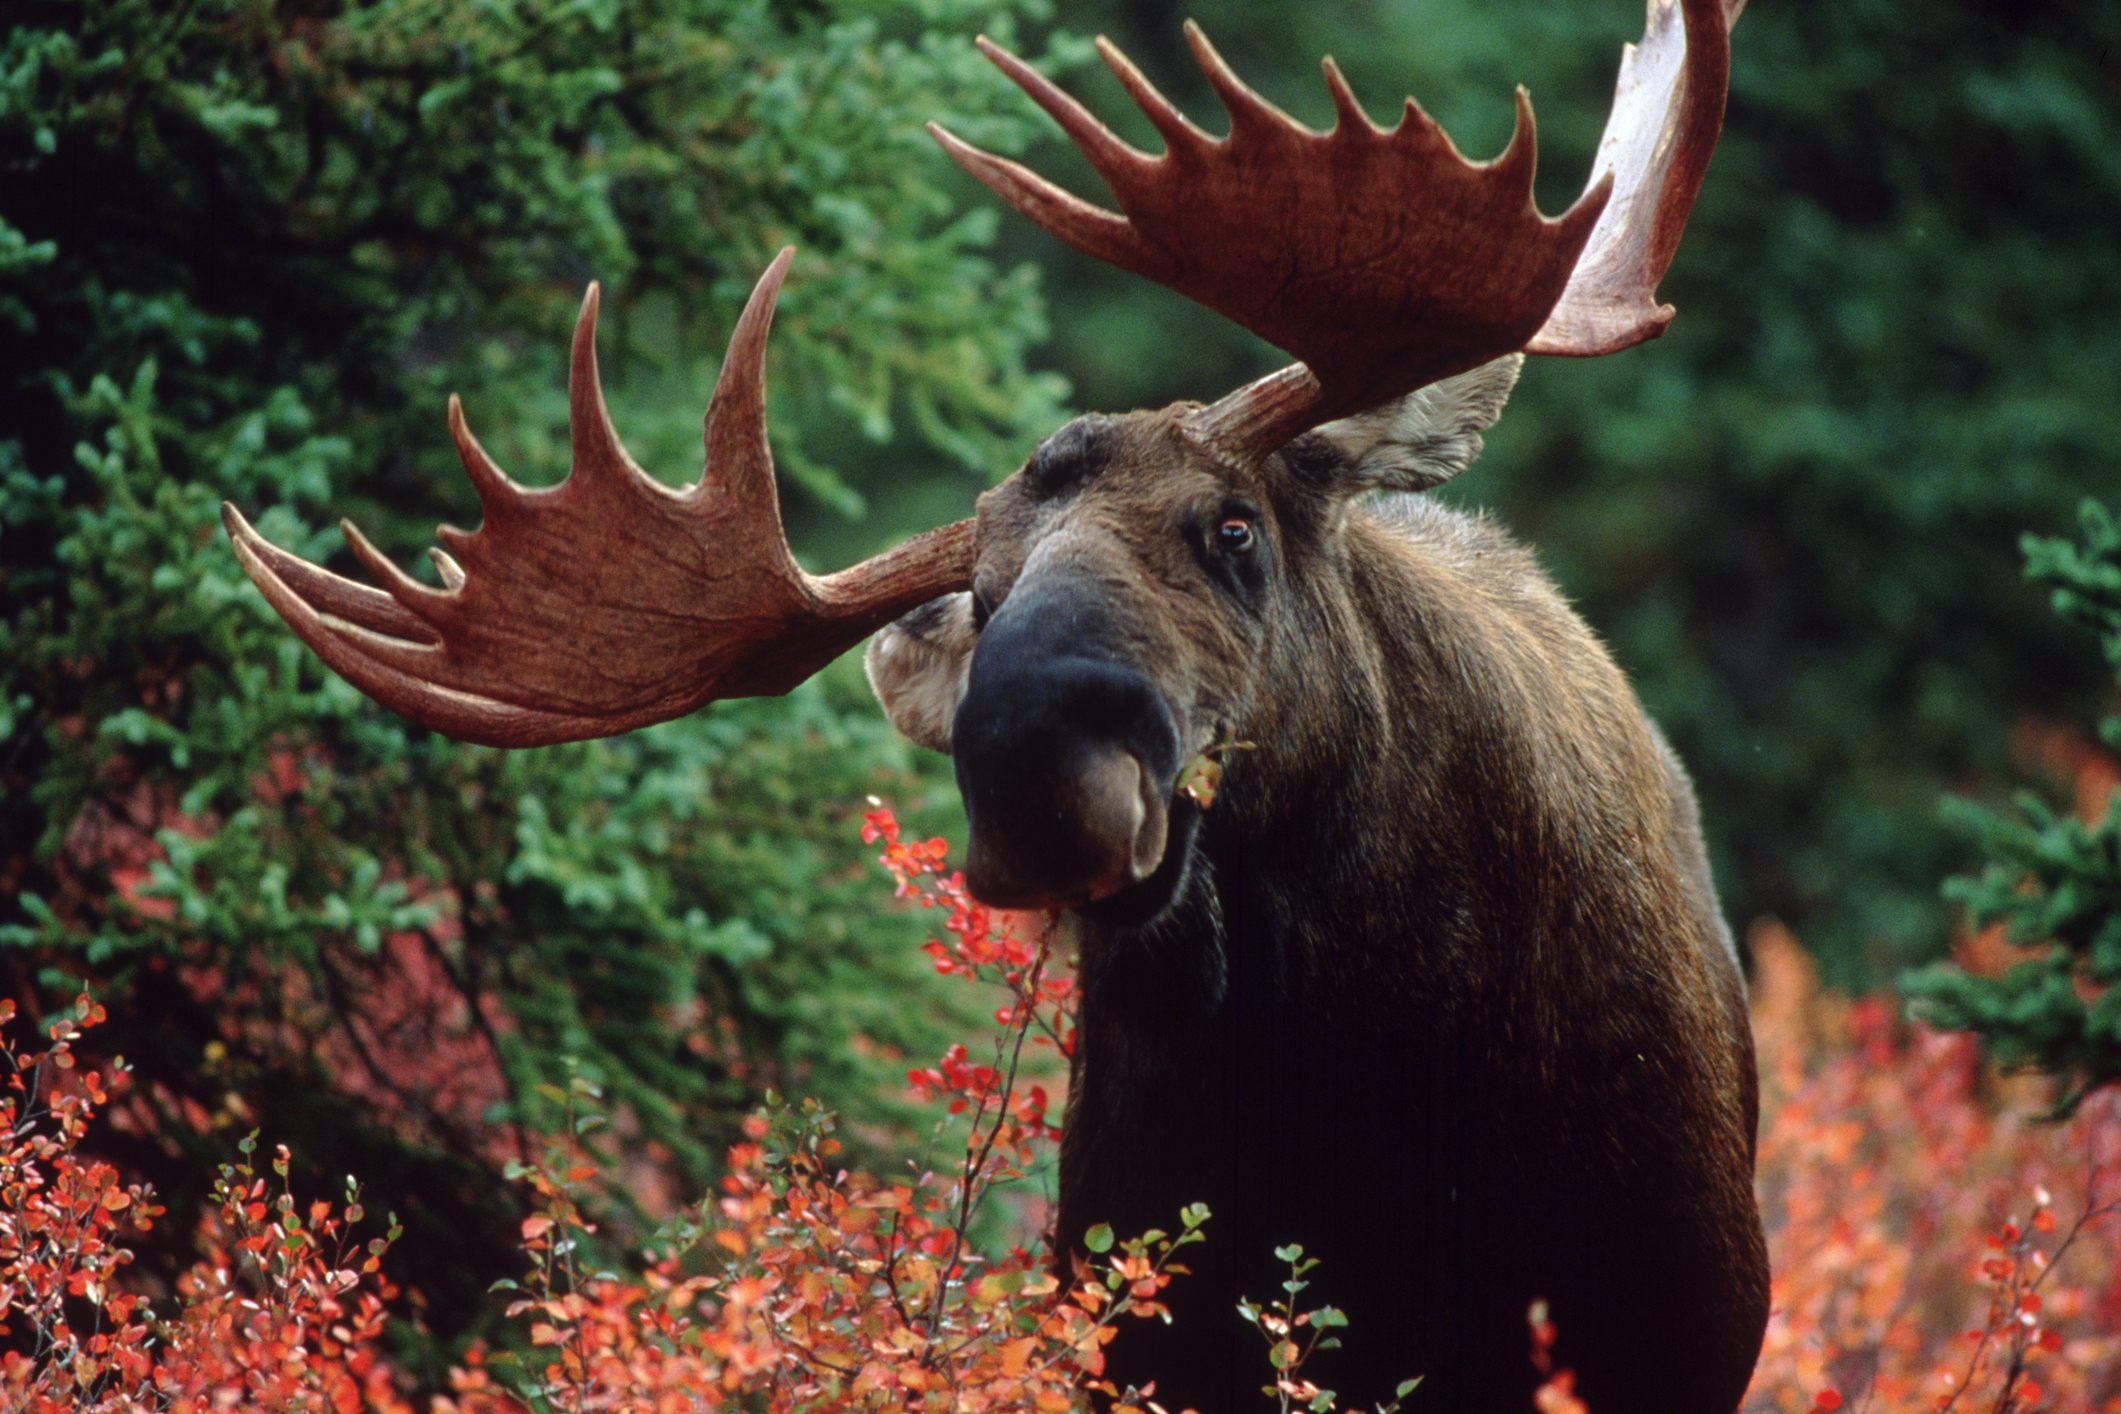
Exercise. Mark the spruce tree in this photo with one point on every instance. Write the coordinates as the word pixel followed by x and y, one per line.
pixel 2052 879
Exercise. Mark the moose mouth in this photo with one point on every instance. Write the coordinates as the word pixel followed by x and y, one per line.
pixel 1144 902
pixel 1134 880
pixel 1111 840
pixel 1068 767
pixel 1070 836
pixel 1067 751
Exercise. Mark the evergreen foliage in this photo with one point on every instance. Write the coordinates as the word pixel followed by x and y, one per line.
pixel 246 250
pixel 2053 879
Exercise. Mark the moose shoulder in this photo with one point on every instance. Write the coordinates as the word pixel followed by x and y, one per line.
pixel 1436 988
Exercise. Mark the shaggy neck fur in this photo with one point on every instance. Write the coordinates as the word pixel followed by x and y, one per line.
pixel 1444 998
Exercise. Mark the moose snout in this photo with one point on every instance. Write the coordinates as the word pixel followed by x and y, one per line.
pixel 1081 836
pixel 1066 762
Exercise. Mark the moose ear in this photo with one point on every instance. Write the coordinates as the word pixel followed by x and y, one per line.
pixel 917 668
pixel 1425 438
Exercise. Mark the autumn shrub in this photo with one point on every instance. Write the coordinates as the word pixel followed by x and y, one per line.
pixel 829 1289
pixel 1936 1245
pixel 284 1309
pixel 801 1286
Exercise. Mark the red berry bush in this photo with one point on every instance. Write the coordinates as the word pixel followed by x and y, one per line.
pixel 1937 1246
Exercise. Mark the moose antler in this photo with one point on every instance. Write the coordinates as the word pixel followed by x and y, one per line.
pixel 1667 113
pixel 1383 259
pixel 608 601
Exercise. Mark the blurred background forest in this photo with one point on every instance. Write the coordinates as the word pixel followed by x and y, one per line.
pixel 247 249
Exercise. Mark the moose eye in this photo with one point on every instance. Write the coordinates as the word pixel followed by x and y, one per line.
pixel 1235 535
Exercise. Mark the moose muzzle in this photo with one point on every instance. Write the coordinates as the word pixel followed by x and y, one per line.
pixel 1066 756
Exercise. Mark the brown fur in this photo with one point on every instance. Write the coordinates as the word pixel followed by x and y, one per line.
pixel 1439 989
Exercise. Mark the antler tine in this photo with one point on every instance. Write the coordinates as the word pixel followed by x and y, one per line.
pixel 495 486
pixel 1519 159
pixel 407 592
pixel 609 601
pixel 315 590
pixel 1088 228
pixel 1099 144
pixel 1248 111
pixel 1176 129
pixel 739 457
pixel 1348 113
pixel 592 438
pixel 1667 111
pixel 452 573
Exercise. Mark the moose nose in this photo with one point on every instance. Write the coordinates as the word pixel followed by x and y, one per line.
pixel 1065 758
pixel 1099 829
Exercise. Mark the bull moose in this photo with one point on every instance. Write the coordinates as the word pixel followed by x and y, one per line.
pixel 1436 986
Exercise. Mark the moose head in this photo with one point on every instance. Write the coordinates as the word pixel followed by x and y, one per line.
pixel 1382 260
pixel 1130 588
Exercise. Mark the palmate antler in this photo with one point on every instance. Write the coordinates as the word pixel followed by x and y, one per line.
pixel 1381 260
pixel 609 601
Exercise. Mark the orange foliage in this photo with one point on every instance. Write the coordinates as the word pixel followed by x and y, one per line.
pixel 1919 1215
pixel 282 1312
pixel 1935 1247
pixel 2070 757
pixel 830 1290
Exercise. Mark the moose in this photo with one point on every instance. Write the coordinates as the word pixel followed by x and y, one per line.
pixel 1434 983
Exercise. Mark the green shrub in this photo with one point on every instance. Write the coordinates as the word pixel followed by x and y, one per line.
pixel 2053 880
pixel 245 249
